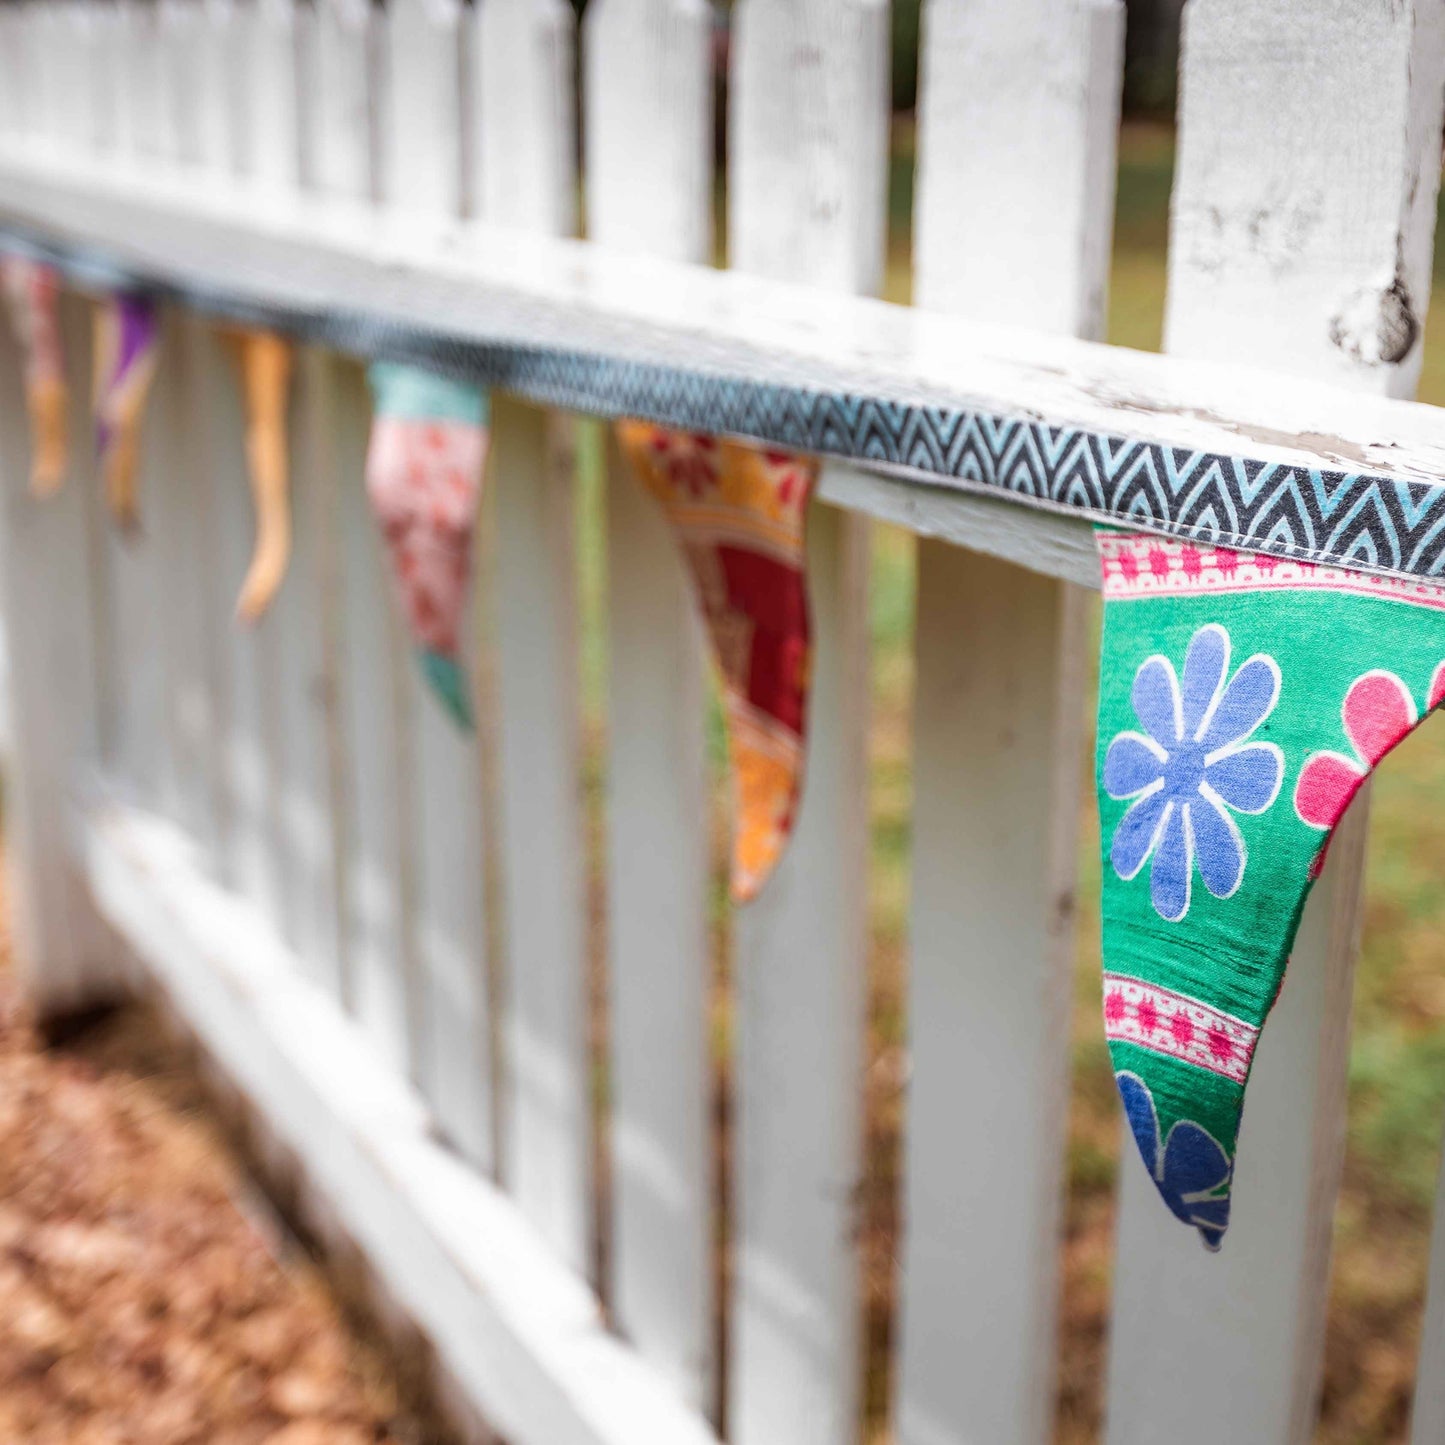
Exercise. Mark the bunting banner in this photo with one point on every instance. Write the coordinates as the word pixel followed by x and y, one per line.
pixel 266 366
pixel 127 344
pixel 424 465
pixel 739 513
pixel 32 292
pixel 1243 700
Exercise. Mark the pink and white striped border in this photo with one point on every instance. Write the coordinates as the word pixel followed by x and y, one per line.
pixel 1139 565
pixel 1171 1023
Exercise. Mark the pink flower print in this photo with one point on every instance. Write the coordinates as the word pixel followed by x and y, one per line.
pixel 1378 712
pixel 689 459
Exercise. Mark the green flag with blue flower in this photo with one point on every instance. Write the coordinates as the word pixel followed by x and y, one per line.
pixel 1243 699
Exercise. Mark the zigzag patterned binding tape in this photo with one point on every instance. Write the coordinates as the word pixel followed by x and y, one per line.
pixel 1364 520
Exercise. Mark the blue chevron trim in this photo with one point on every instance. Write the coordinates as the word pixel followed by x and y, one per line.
pixel 1358 519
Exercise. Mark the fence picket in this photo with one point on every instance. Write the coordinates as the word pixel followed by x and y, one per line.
pixel 374 732
pixel 336 122
pixel 1271 238
pixel 521 79
pixel 649 169
pixel 424 124
pixel 372 656
pixel 1019 104
pixel 244 680
pixel 263 36
pixel 338 90
pixel 808 162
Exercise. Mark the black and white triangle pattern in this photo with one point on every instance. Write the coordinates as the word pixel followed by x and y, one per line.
pixel 1353 518
pixel 1357 519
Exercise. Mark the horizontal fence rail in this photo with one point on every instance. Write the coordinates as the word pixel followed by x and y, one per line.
pixel 598 1132
pixel 1218 453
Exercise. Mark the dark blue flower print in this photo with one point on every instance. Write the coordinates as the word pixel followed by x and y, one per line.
pixel 1189 767
pixel 1189 1169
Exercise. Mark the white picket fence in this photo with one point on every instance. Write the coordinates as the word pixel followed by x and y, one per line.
pixel 379 928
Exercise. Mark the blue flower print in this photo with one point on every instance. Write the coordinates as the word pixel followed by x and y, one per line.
pixel 1189 767
pixel 1189 1169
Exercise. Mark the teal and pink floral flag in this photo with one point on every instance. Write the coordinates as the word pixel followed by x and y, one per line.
pixel 1243 699
pixel 424 466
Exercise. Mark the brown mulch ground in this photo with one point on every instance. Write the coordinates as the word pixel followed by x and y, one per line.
pixel 143 1301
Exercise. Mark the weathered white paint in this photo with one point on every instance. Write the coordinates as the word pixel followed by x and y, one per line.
pixel 522 1336
pixel 649 133
pixel 63 955
pixel 1304 199
pixel 250 713
pixel 337 89
pixel 521 72
pixel 1019 111
pixel 494 283
pixel 419 138
pixel 377 870
pixel 180 519
pixel 306 620
pixel 523 161
pixel 247 694
pixel 140 83
pixel 649 167
pixel 423 120
pixel 533 598
pixel 808 160
pixel 1054 543
pixel 136 756
pixel 14 47
pixel 1273 233
pixel 371 736
pixel 317 810
pixel 262 34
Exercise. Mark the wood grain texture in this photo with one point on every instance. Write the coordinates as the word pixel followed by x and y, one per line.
pixel 649 169
pixel 1273 230
pixel 809 126
pixel 1018 122
pixel 1019 105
